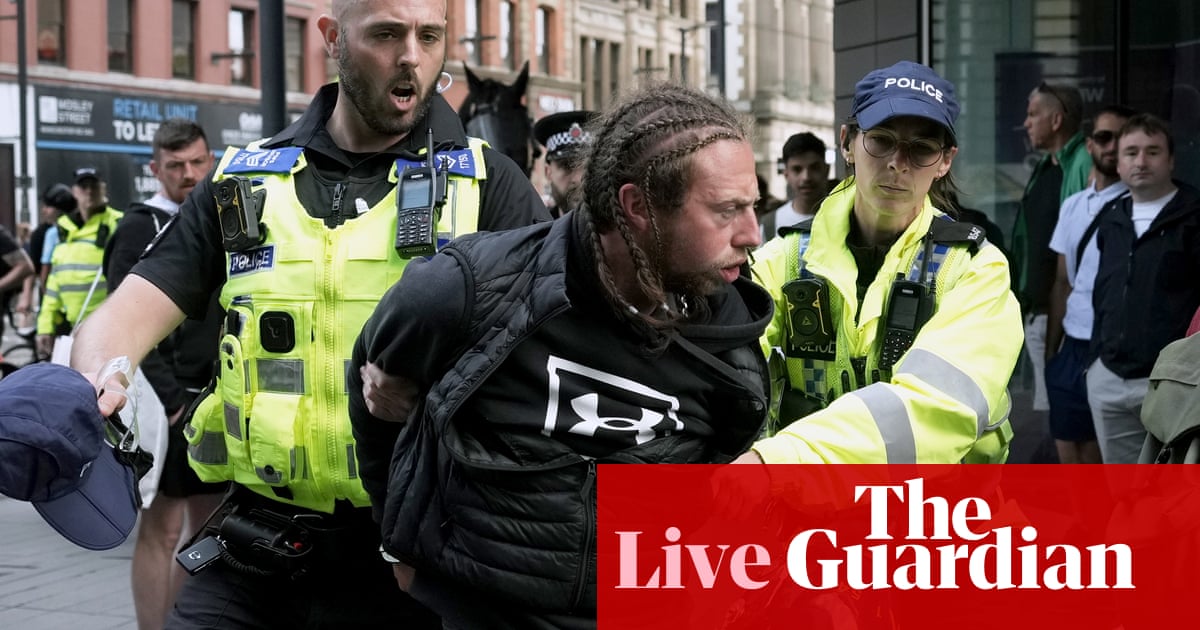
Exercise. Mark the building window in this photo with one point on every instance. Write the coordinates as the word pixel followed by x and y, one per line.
pixel 241 42
pixel 508 37
pixel 293 50
pixel 472 40
pixel 120 41
pixel 598 86
pixel 50 40
pixel 646 72
pixel 542 38
pixel 183 41
pixel 583 72
pixel 614 70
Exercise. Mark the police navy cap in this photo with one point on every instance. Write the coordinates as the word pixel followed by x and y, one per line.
pixel 904 89
pixel 53 454
pixel 563 132
pixel 86 173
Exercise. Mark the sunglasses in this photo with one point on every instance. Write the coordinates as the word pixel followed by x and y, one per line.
pixel 125 447
pixel 1103 137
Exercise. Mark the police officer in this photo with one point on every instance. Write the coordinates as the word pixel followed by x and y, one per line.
pixel 897 325
pixel 565 136
pixel 75 285
pixel 300 235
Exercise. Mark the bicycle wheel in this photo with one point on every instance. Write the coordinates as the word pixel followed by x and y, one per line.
pixel 19 355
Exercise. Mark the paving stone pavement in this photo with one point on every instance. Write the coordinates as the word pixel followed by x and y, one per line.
pixel 48 583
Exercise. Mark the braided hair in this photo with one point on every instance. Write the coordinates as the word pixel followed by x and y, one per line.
pixel 648 139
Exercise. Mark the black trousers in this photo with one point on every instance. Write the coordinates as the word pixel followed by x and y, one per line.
pixel 355 590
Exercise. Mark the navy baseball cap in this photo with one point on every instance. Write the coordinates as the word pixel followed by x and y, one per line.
pixel 904 89
pixel 54 454
pixel 86 173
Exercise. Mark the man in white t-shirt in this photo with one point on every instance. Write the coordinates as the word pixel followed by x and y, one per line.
pixel 1147 286
pixel 804 168
pixel 1069 318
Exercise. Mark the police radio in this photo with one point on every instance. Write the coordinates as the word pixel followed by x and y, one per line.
pixel 909 306
pixel 419 204
pixel 239 209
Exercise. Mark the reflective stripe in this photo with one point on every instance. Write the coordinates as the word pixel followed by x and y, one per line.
pixel 79 288
pixel 51 293
pixel 272 477
pixel 299 458
pixel 282 376
pixel 891 418
pixel 955 383
pixel 351 461
pixel 233 420
pixel 210 449
pixel 62 267
pixel 245 373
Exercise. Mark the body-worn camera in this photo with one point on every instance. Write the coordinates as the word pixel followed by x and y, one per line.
pixel 419 205
pixel 810 325
pixel 909 307
pixel 239 209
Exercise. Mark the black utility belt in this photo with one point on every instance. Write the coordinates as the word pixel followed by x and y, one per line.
pixel 257 536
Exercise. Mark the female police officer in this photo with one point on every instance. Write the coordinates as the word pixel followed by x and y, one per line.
pixel 896 323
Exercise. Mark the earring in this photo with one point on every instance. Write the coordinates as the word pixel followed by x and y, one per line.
pixel 449 81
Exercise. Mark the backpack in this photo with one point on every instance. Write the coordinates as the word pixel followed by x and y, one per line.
pixel 1171 410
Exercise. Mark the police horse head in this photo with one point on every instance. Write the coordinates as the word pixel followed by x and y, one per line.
pixel 494 111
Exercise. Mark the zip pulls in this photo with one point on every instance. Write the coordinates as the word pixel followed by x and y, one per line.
pixel 335 217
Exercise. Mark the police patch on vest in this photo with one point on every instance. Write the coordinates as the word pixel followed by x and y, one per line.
pixel 264 160
pixel 252 261
pixel 456 162
pixel 591 404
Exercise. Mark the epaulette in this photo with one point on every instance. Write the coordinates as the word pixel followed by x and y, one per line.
pixel 802 226
pixel 946 230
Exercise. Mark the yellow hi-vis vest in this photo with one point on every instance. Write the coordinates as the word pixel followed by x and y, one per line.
pixel 277 419
pixel 73 267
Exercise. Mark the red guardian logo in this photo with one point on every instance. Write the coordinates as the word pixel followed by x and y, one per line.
pixel 919 85
pixel 941 545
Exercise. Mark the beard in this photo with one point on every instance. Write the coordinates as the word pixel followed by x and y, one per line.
pixel 564 199
pixel 1107 167
pixel 376 109
pixel 694 282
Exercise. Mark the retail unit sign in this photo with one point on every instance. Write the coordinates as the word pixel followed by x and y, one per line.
pixel 66 115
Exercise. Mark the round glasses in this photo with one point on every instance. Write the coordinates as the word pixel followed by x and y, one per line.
pixel 922 152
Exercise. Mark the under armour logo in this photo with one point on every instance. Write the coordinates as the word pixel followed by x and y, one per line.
pixel 587 408
pixel 591 403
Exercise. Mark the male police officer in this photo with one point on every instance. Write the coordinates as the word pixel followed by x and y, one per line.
pixel 565 136
pixel 301 236
pixel 73 288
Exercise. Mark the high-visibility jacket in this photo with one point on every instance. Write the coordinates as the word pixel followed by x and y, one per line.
pixel 277 420
pixel 76 260
pixel 945 400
